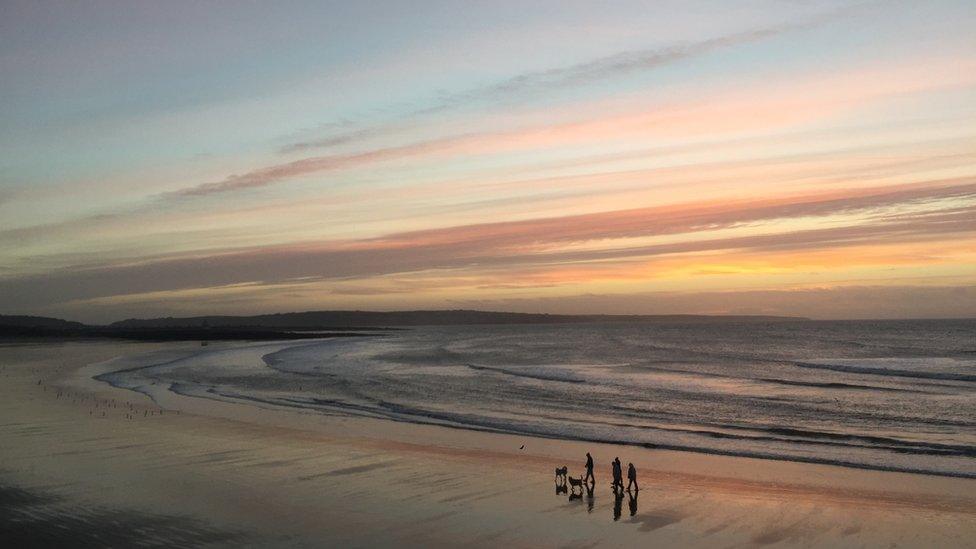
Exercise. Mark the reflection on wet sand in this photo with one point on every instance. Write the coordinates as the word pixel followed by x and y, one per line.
pixel 31 518
pixel 568 485
pixel 618 501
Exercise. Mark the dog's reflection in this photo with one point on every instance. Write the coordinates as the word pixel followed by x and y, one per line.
pixel 561 473
pixel 561 487
pixel 568 485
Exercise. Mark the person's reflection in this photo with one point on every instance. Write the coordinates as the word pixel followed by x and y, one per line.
pixel 632 502
pixel 589 497
pixel 618 502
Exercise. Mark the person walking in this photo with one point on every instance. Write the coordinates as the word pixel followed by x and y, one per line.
pixel 617 474
pixel 631 478
pixel 589 469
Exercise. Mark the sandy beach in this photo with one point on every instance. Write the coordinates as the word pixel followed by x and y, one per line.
pixel 86 464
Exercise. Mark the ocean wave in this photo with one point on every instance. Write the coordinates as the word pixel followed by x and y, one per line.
pixel 894 372
pixel 839 385
pixel 531 374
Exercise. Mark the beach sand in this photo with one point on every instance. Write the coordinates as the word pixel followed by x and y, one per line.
pixel 86 464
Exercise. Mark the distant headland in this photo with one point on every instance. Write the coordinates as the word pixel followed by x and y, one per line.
pixel 315 324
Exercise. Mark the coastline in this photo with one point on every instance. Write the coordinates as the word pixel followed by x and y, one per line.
pixel 286 477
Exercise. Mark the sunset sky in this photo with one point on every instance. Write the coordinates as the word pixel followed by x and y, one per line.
pixel 182 158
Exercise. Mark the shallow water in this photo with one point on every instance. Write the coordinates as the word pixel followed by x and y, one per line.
pixel 893 395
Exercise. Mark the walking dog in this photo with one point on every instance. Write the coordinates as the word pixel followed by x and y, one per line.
pixel 575 483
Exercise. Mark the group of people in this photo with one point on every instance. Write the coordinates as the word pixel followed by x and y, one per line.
pixel 616 472
pixel 587 482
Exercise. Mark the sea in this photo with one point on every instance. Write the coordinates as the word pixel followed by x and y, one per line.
pixel 886 395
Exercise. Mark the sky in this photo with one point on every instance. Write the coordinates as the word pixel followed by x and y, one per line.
pixel 752 157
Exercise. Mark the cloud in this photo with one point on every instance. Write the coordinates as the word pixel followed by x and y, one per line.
pixel 337 140
pixel 265 176
pixel 535 83
pixel 673 218
pixel 772 106
pixel 532 242
pixel 598 70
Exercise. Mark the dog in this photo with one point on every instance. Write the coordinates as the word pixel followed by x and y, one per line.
pixel 561 472
pixel 575 483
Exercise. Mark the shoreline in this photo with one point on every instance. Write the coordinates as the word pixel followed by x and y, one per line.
pixel 235 454
pixel 265 350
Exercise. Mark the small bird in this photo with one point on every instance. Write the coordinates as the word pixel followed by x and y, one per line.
pixel 522 447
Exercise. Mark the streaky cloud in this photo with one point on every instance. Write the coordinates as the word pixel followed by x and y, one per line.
pixel 347 138
pixel 528 84
pixel 680 218
pixel 272 174
pixel 531 242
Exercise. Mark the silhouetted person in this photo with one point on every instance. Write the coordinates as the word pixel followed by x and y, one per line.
pixel 633 503
pixel 589 469
pixel 618 503
pixel 632 477
pixel 617 474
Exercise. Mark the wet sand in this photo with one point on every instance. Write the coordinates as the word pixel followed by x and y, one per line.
pixel 85 464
